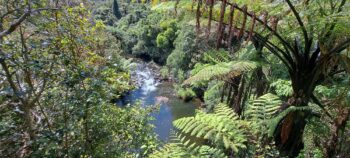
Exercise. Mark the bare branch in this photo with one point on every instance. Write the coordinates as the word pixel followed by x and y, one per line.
pixel 14 25
pixel 342 46
pixel 19 21
pixel 9 79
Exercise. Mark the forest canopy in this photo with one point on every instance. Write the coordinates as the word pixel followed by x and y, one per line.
pixel 272 77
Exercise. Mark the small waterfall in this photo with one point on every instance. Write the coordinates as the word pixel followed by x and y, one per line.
pixel 144 77
pixel 150 91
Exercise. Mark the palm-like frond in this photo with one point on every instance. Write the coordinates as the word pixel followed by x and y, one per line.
pixel 215 56
pixel 264 107
pixel 222 127
pixel 180 147
pixel 169 151
pixel 222 70
pixel 263 111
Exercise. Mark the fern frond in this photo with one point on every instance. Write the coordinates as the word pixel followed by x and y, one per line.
pixel 180 148
pixel 224 110
pixel 169 151
pixel 222 70
pixel 264 107
pixel 222 127
pixel 209 152
pixel 215 56
pixel 282 88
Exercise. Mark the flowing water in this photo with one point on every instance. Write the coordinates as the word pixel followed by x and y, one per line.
pixel 151 92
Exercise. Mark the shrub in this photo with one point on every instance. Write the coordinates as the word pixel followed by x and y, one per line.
pixel 186 94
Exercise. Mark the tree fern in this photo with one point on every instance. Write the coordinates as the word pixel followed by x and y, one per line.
pixel 223 110
pixel 212 96
pixel 273 122
pixel 264 111
pixel 215 56
pixel 282 88
pixel 264 107
pixel 222 128
pixel 180 147
pixel 222 70
pixel 171 150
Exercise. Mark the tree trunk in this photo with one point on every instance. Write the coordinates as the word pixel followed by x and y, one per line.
pixel 337 126
pixel 235 85
pixel 261 82
pixel 29 122
pixel 221 24
pixel 288 135
pixel 289 132
pixel 239 96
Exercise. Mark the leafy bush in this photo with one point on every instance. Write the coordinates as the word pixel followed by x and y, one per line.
pixel 282 88
pixel 164 72
pixel 186 93
pixel 185 48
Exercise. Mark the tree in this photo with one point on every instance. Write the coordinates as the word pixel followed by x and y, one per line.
pixel 312 53
pixel 59 72
pixel 115 9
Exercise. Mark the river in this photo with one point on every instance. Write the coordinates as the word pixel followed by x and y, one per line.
pixel 152 91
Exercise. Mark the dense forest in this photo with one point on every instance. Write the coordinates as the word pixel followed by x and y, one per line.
pixel 264 78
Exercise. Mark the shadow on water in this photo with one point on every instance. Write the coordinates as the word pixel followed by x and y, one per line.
pixel 151 92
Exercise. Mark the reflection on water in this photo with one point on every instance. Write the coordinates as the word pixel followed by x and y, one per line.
pixel 152 92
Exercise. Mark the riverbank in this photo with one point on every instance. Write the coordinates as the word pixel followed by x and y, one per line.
pixel 151 90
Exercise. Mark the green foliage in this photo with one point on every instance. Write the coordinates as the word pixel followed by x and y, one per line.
pixel 272 124
pixel 215 57
pixel 185 93
pixel 68 70
pixel 263 108
pixel 262 111
pixel 164 72
pixel 166 38
pixel 222 128
pixel 147 34
pixel 212 96
pixel 104 13
pixel 222 70
pixel 185 48
pixel 283 88
pixel 314 133
pixel 180 75
pixel 60 70
pixel 179 148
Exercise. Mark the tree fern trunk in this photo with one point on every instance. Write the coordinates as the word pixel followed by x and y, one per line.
pixel 211 5
pixel 290 130
pixel 230 27
pixel 226 84
pixel 235 85
pixel 221 24
pixel 289 134
pixel 239 96
pixel 229 94
pixel 261 83
pixel 198 16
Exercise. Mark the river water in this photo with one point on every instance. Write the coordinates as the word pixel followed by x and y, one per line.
pixel 150 92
